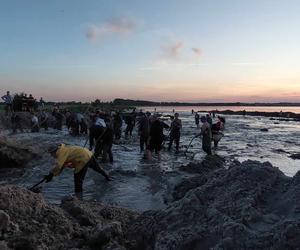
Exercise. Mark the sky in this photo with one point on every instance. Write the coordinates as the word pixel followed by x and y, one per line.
pixel 192 50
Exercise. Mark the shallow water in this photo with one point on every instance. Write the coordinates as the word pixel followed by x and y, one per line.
pixel 294 109
pixel 142 185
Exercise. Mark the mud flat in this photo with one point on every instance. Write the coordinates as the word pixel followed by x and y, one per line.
pixel 280 116
pixel 250 205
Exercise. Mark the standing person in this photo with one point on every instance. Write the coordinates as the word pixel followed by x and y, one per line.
pixel 8 100
pixel 107 142
pixel 176 127
pixel 197 119
pixel 117 125
pixel 24 102
pixel 144 129
pixel 73 124
pixel 58 118
pixel 156 136
pixel 35 127
pixel 78 158
pixel 42 103
pixel 130 122
pixel 206 135
pixel 192 111
pixel 216 130
pixel 81 123
pixel 30 103
pixel 44 117
pixel 68 116
pixel 96 131
pixel 208 119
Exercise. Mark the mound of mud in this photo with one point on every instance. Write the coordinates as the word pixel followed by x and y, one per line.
pixel 249 206
pixel 13 158
pixel 14 155
pixel 28 222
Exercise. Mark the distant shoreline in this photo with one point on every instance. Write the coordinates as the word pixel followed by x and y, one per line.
pixel 284 116
pixel 224 104
pixel 141 103
pixel 129 102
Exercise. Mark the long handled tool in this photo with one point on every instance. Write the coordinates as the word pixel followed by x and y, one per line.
pixel 34 186
pixel 190 144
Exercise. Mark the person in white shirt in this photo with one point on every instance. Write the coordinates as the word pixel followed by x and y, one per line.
pixel 35 127
pixel 8 100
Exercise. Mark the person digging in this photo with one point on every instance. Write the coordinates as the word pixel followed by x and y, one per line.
pixel 78 158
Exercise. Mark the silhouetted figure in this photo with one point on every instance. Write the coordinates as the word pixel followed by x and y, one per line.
pixel 8 100
pixel 176 126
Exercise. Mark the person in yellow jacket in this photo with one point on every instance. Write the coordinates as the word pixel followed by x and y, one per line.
pixel 76 157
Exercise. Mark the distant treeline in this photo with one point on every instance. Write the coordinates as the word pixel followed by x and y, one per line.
pixel 128 102
pixel 135 103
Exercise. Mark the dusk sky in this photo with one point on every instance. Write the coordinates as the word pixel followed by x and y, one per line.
pixel 193 50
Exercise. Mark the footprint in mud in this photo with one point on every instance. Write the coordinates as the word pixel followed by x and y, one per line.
pixel 123 172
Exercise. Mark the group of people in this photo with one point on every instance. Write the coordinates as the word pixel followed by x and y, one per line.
pixel 21 102
pixel 151 133
pixel 104 128
pixel 209 131
pixel 102 134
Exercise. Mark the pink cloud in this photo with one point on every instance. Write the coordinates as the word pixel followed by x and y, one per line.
pixel 172 50
pixel 120 25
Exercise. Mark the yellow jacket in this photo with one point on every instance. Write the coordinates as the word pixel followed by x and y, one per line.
pixel 71 156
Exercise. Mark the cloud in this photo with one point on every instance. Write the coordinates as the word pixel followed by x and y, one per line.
pixel 172 50
pixel 197 51
pixel 119 25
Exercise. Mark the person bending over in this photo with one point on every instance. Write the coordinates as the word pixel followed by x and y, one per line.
pixel 78 158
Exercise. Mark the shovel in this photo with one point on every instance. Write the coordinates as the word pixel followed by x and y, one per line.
pixel 34 188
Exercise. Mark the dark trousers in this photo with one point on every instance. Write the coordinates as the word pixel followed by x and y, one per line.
pixel 79 177
pixel 95 133
pixel 35 128
pixel 118 133
pixel 83 127
pixel 129 129
pixel 8 109
pixel 58 125
pixel 174 137
pixel 44 125
pixel 106 150
pixel 143 141
pixel 74 128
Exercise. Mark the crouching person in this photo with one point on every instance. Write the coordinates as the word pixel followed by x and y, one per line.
pixel 78 158
pixel 35 127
